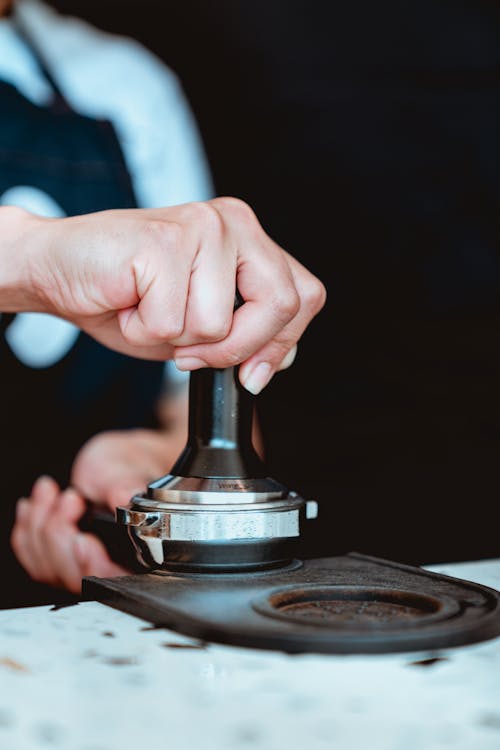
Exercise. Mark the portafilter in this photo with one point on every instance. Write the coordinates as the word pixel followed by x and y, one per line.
pixel 217 510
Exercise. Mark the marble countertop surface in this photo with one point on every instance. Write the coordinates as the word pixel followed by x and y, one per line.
pixel 88 677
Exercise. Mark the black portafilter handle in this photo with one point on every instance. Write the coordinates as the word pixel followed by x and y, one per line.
pixel 100 521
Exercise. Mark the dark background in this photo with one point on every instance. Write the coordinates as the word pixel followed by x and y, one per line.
pixel 366 137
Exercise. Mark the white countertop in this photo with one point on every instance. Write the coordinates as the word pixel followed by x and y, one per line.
pixel 88 677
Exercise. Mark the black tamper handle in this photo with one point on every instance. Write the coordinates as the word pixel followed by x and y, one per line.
pixel 220 428
pixel 221 414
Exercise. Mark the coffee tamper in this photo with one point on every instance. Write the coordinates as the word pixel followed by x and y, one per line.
pixel 217 510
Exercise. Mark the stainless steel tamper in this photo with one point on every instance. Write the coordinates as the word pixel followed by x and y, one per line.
pixel 217 510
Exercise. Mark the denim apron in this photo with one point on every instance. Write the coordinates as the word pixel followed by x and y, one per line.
pixel 49 412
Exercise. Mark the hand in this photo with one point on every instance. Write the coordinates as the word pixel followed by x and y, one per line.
pixel 48 544
pixel 160 283
pixel 114 466
pixel 110 468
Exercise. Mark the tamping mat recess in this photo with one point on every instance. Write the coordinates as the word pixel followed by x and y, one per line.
pixel 345 604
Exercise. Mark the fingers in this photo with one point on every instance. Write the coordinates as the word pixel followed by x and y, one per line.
pixel 57 537
pixel 122 494
pixel 31 516
pixel 45 538
pixel 281 298
pixel 113 466
pixel 281 351
pixel 162 277
pixel 209 310
pixel 210 302
pixel 113 331
pixel 187 281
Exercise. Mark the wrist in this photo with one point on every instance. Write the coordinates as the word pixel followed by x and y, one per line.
pixel 22 250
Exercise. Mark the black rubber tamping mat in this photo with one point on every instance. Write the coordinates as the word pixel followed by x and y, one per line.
pixel 347 604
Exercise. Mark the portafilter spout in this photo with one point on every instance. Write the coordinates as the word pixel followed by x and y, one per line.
pixel 217 509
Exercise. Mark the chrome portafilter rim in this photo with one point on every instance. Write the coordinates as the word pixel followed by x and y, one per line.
pixel 238 534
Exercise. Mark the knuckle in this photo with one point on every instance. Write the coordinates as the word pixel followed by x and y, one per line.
pixel 164 331
pixel 209 217
pixel 286 304
pixel 212 330
pixel 131 337
pixel 143 328
pixel 314 295
pixel 236 208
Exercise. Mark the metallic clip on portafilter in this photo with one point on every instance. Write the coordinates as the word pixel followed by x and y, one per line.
pixel 217 510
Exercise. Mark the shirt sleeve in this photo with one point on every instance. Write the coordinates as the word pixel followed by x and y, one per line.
pixel 113 77
pixel 163 146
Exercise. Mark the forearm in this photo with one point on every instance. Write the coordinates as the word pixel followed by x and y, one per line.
pixel 20 246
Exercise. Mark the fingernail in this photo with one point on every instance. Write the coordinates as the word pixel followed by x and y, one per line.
pixel 43 481
pixel 22 510
pixel 258 378
pixel 189 363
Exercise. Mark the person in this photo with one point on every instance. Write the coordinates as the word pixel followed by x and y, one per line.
pixel 115 257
